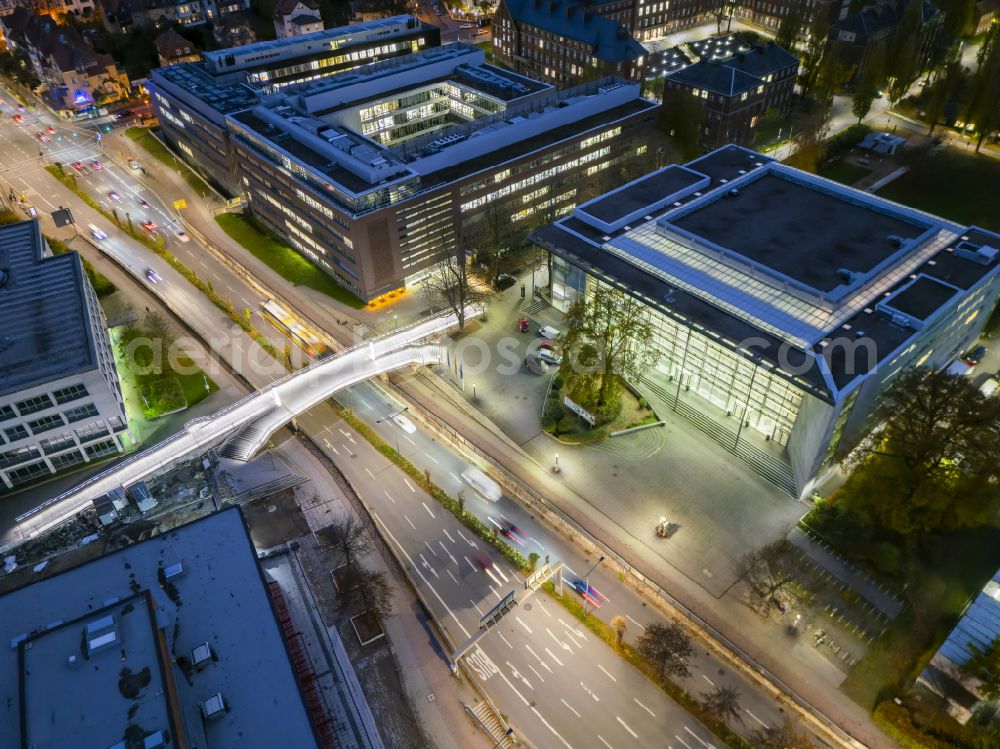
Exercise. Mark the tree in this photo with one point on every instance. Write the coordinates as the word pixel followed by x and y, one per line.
pixel 933 466
pixel 723 703
pixel 347 538
pixel 984 665
pixel 819 29
pixel 451 282
pixel 784 737
pixel 983 109
pixel 790 27
pixel 608 338
pixel 723 13
pixel 868 85
pixel 375 592
pixel 619 625
pixel 668 648
pixel 770 571
pixel 681 120
pixel 940 92
pixel 904 63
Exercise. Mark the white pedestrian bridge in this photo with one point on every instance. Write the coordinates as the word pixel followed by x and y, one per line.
pixel 245 426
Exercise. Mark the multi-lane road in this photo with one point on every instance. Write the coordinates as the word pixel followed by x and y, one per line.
pixel 559 684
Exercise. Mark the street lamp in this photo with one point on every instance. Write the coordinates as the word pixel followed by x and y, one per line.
pixel 587 582
pixel 390 418
pixel 555 467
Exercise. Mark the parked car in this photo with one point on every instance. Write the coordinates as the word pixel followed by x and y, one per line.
pixel 548 353
pixel 547 331
pixel 504 281
pixel 536 364
pixel 975 356
pixel 522 325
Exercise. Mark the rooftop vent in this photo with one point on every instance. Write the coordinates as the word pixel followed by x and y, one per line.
pixel 895 240
pixel 214 707
pixel 174 570
pixel 4 277
pixel 101 634
pixel 732 193
pixel 981 254
pixel 201 655
pixel 155 740
pixel 859 334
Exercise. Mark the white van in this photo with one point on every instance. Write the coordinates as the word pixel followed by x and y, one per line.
pixel 97 233
pixel 482 484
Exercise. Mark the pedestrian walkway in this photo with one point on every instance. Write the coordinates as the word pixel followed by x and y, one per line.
pixel 877 595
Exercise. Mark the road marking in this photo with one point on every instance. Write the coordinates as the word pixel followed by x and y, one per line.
pixel 572 639
pixel 506 642
pixel 473 544
pixel 521 622
pixel 430 549
pixel 327 442
pixel 540 661
pixel 635 622
pixel 477 607
pixel 389 496
pixel 698 739
pixel 535 672
pixel 544 610
pixel 428 565
pixel 577 632
pixel 682 741
pixel 607 673
pixel 626 726
pixel 500 572
pixel 708 680
pixel 454 476
pixel 450 556
pixel 490 575
pixel 369 472
pixel 470 563
pixel 546 724
pixel 496 593
pixel 448 535
pixel 431 457
pixel 428 509
pixel 756 718
pixel 559 642
pixel 570 708
pixel 604 742
pixel 455 579
pixel 407 482
pixel 426 581
pixel 552 656
pixel 590 691
pixel 409 440
pixel 335 449
pixel 410 521
pixel 644 707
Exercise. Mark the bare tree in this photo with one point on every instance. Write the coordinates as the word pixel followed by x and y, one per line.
pixel 668 648
pixel 769 571
pixel 723 703
pixel 375 592
pixel 451 283
pixel 347 537
pixel 783 737
pixel 619 625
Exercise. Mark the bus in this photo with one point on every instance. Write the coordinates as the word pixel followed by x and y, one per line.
pixel 283 320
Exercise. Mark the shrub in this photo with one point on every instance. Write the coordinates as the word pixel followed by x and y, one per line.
pixel 548 423
pixel 554 409
pixel 896 721
pixel 643 403
pixel 887 558
pixel 557 382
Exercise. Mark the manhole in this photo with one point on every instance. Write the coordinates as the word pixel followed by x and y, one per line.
pixel 527 607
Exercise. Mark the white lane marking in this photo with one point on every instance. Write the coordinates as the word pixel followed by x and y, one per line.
pixel 570 708
pixel 409 440
pixel 566 567
pixel 452 474
pixel 552 656
pixel 335 449
pixel 635 622
pixel 327 443
pixel 505 640
pixel 426 581
pixel 590 691
pixel 445 548
pixel 521 622
pixel 682 741
pixel 699 739
pixel 470 563
pixel 604 742
pixel 572 639
pixel 431 457
pixel 500 572
pixel 369 472
pixel 535 671
pixel 407 482
pixel 389 496
pixel 538 658
pixel 607 673
pixel 487 571
pixel 708 680
pixel 428 565
pixel 546 724
pixel 430 548
pixel 428 509
pixel 452 576
pixel 544 610
pixel 473 544
pixel 410 521
pixel 756 718
pixel 518 675
pixel 559 642
pixel 448 535
pixel 496 593
pixel 477 607
pixel 644 707
pixel 634 734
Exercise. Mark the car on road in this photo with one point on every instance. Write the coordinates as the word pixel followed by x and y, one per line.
pixel 143 202
pixel 78 165
pixel 975 356
pixel 97 165
pixel 504 281
pixel 50 130
pixel 96 233
pixel 465 26
pixel 482 483
pixel 589 593
pixel 134 165
pixel 152 276
pixel 21 108
pixel 404 423
pixel 114 196
pixel 149 226
pixel 547 331
pixel 123 114
pixel 549 353
pixel 536 364
pixel 482 560
pixel 182 235
pixel 18 118
pixel 511 531
pixel 43 138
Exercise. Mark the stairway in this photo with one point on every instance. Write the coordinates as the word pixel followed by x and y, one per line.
pixel 487 719
pixel 244 443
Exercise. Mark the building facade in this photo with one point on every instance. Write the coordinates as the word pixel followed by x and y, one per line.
pixel 783 304
pixel 296 18
pixel 61 403
pixel 566 43
pixel 172 48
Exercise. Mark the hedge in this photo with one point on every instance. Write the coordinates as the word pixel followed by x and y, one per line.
pixel 895 720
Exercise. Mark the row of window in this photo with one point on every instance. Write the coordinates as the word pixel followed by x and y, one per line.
pixel 43 401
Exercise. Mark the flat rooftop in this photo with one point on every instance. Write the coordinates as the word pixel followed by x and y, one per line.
pixel 641 193
pixel 804 231
pixel 161 600
pixel 44 320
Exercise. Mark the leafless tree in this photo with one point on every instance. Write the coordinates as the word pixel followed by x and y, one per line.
pixel 668 648
pixel 723 703
pixel 452 283
pixel 619 625
pixel 346 537
pixel 770 571
pixel 783 737
pixel 375 592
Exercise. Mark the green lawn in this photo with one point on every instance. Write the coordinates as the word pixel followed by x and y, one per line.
pixel 844 172
pixel 193 386
pixel 283 259
pixel 956 184
pixel 157 150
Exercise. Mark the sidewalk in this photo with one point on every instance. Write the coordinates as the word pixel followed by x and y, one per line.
pixel 801 669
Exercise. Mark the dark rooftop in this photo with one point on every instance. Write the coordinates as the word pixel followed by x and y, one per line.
pixel 799 230
pixel 762 60
pixel 921 298
pixel 45 330
pixel 716 76
pixel 608 38
pixel 642 193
